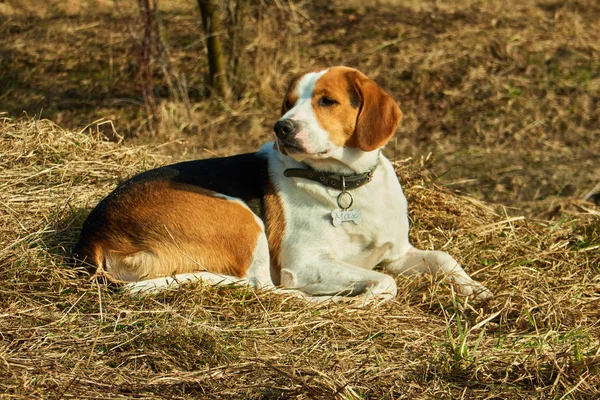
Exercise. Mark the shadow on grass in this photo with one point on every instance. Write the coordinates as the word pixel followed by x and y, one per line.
pixel 60 240
pixel 75 69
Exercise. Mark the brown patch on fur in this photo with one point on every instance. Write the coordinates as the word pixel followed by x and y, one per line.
pixel 89 256
pixel 274 227
pixel 291 97
pixel 162 228
pixel 353 95
pixel 339 120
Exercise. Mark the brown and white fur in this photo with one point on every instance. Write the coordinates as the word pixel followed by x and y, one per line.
pixel 239 219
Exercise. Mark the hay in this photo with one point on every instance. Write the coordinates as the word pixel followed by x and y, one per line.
pixel 63 335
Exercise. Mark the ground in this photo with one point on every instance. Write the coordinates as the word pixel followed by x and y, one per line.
pixel 497 147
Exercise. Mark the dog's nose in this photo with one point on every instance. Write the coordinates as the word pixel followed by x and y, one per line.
pixel 284 128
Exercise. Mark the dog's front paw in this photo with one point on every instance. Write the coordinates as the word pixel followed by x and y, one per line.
pixel 474 289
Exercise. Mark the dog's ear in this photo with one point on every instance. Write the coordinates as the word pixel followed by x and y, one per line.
pixel 378 115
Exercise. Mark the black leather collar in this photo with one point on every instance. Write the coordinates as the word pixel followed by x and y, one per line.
pixel 330 179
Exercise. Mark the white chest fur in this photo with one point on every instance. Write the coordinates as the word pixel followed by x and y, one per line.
pixel 311 237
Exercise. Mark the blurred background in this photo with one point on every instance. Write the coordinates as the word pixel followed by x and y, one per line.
pixel 501 100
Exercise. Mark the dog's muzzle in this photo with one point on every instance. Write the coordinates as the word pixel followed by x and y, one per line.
pixel 285 129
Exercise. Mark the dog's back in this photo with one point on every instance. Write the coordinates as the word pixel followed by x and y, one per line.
pixel 191 216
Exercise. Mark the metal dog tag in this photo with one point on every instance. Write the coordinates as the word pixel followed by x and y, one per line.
pixel 339 216
pixel 345 201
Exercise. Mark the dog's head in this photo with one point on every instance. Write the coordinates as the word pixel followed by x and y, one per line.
pixel 332 113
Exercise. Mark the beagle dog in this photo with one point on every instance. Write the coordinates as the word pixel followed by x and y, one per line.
pixel 314 212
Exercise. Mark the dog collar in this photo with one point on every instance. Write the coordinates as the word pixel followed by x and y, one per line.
pixel 335 181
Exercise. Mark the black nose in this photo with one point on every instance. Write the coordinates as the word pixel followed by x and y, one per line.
pixel 284 128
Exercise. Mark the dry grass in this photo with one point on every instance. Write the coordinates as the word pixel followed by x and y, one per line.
pixel 64 336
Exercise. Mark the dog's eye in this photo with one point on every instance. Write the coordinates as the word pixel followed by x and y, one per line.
pixel 288 104
pixel 326 101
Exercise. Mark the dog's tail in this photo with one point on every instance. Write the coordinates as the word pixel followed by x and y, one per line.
pixel 87 257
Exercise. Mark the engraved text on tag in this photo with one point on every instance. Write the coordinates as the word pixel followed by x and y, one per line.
pixel 339 216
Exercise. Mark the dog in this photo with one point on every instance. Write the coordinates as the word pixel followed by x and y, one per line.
pixel 314 212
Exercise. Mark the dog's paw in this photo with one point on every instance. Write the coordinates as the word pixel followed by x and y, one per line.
pixel 473 289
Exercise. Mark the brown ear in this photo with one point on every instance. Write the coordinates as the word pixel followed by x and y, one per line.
pixel 378 116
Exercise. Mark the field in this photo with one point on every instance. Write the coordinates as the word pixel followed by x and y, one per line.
pixel 498 145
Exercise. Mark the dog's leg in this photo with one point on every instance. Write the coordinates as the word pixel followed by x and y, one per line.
pixel 157 284
pixel 326 279
pixel 257 276
pixel 435 262
pixel 259 273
